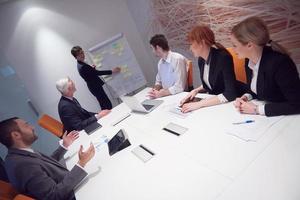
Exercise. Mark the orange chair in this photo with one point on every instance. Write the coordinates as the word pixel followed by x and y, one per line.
pixel 239 66
pixel 22 197
pixel 7 191
pixel 189 82
pixel 51 125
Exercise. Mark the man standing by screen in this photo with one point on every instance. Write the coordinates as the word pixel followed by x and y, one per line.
pixel 91 77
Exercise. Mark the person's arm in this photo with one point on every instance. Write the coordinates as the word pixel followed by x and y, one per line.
pixel 67 139
pixel 157 87
pixel 89 70
pixel 158 84
pixel 102 72
pixel 287 78
pixel 188 107
pixel 191 95
pixel 180 77
pixel 40 185
pixel 70 116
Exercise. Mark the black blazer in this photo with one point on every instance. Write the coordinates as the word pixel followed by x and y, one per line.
pixel 3 175
pixel 278 83
pixel 73 116
pixel 91 75
pixel 221 74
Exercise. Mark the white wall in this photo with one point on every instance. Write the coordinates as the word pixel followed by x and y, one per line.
pixel 37 37
pixel 142 15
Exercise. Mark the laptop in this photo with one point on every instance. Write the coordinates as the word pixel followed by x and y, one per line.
pixel 141 107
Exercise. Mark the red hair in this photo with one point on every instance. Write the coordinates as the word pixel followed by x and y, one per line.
pixel 204 34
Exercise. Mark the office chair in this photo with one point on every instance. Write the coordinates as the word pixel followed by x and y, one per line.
pixel 189 82
pixel 22 197
pixel 51 125
pixel 239 66
pixel 7 191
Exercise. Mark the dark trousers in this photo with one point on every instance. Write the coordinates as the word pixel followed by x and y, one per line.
pixel 101 96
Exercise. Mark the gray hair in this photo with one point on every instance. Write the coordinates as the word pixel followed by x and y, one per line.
pixel 62 84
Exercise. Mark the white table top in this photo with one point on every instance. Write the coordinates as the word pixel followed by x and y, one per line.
pixel 203 163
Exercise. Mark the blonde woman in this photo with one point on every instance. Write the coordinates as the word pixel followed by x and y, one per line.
pixel 272 76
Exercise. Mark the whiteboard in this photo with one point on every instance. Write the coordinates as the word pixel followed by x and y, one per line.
pixel 114 52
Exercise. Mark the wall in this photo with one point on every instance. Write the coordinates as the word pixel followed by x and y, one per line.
pixel 37 37
pixel 176 18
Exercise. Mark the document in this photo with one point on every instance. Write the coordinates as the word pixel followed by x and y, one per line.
pixel 251 127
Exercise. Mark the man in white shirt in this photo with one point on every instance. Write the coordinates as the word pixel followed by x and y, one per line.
pixel 172 71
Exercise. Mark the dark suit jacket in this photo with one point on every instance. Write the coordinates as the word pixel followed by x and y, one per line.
pixel 278 83
pixel 3 175
pixel 73 116
pixel 221 74
pixel 40 176
pixel 91 75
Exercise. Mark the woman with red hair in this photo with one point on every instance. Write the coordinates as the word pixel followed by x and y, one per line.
pixel 216 70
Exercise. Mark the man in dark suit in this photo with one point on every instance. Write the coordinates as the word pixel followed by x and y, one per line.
pixel 72 115
pixel 3 175
pixel 91 77
pixel 35 174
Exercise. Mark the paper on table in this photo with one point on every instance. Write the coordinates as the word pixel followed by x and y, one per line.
pixel 251 131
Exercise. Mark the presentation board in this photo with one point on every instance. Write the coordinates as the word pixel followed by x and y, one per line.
pixel 114 52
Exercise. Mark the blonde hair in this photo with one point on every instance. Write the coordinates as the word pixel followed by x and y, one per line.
pixel 203 33
pixel 254 29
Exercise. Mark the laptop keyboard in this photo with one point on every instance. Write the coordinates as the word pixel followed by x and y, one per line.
pixel 148 107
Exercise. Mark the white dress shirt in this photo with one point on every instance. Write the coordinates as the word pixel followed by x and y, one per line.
pixel 253 85
pixel 172 73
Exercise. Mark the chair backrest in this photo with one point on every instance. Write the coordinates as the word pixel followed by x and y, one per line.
pixel 51 124
pixel 22 197
pixel 239 66
pixel 189 82
pixel 7 191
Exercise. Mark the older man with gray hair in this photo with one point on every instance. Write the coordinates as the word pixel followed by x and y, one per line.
pixel 72 115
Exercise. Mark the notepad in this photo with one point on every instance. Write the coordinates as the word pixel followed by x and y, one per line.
pixel 175 129
pixel 143 153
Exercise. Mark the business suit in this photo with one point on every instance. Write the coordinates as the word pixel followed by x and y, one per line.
pixel 221 74
pixel 3 175
pixel 73 116
pixel 94 83
pixel 278 83
pixel 40 176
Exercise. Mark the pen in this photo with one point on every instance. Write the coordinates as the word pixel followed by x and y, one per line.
pixel 122 119
pixel 244 122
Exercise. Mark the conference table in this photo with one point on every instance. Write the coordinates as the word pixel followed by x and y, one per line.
pixel 203 163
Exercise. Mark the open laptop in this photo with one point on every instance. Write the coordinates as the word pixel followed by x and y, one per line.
pixel 142 107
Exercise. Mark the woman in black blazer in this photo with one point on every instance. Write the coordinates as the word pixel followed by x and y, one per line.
pixel 272 76
pixel 216 70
